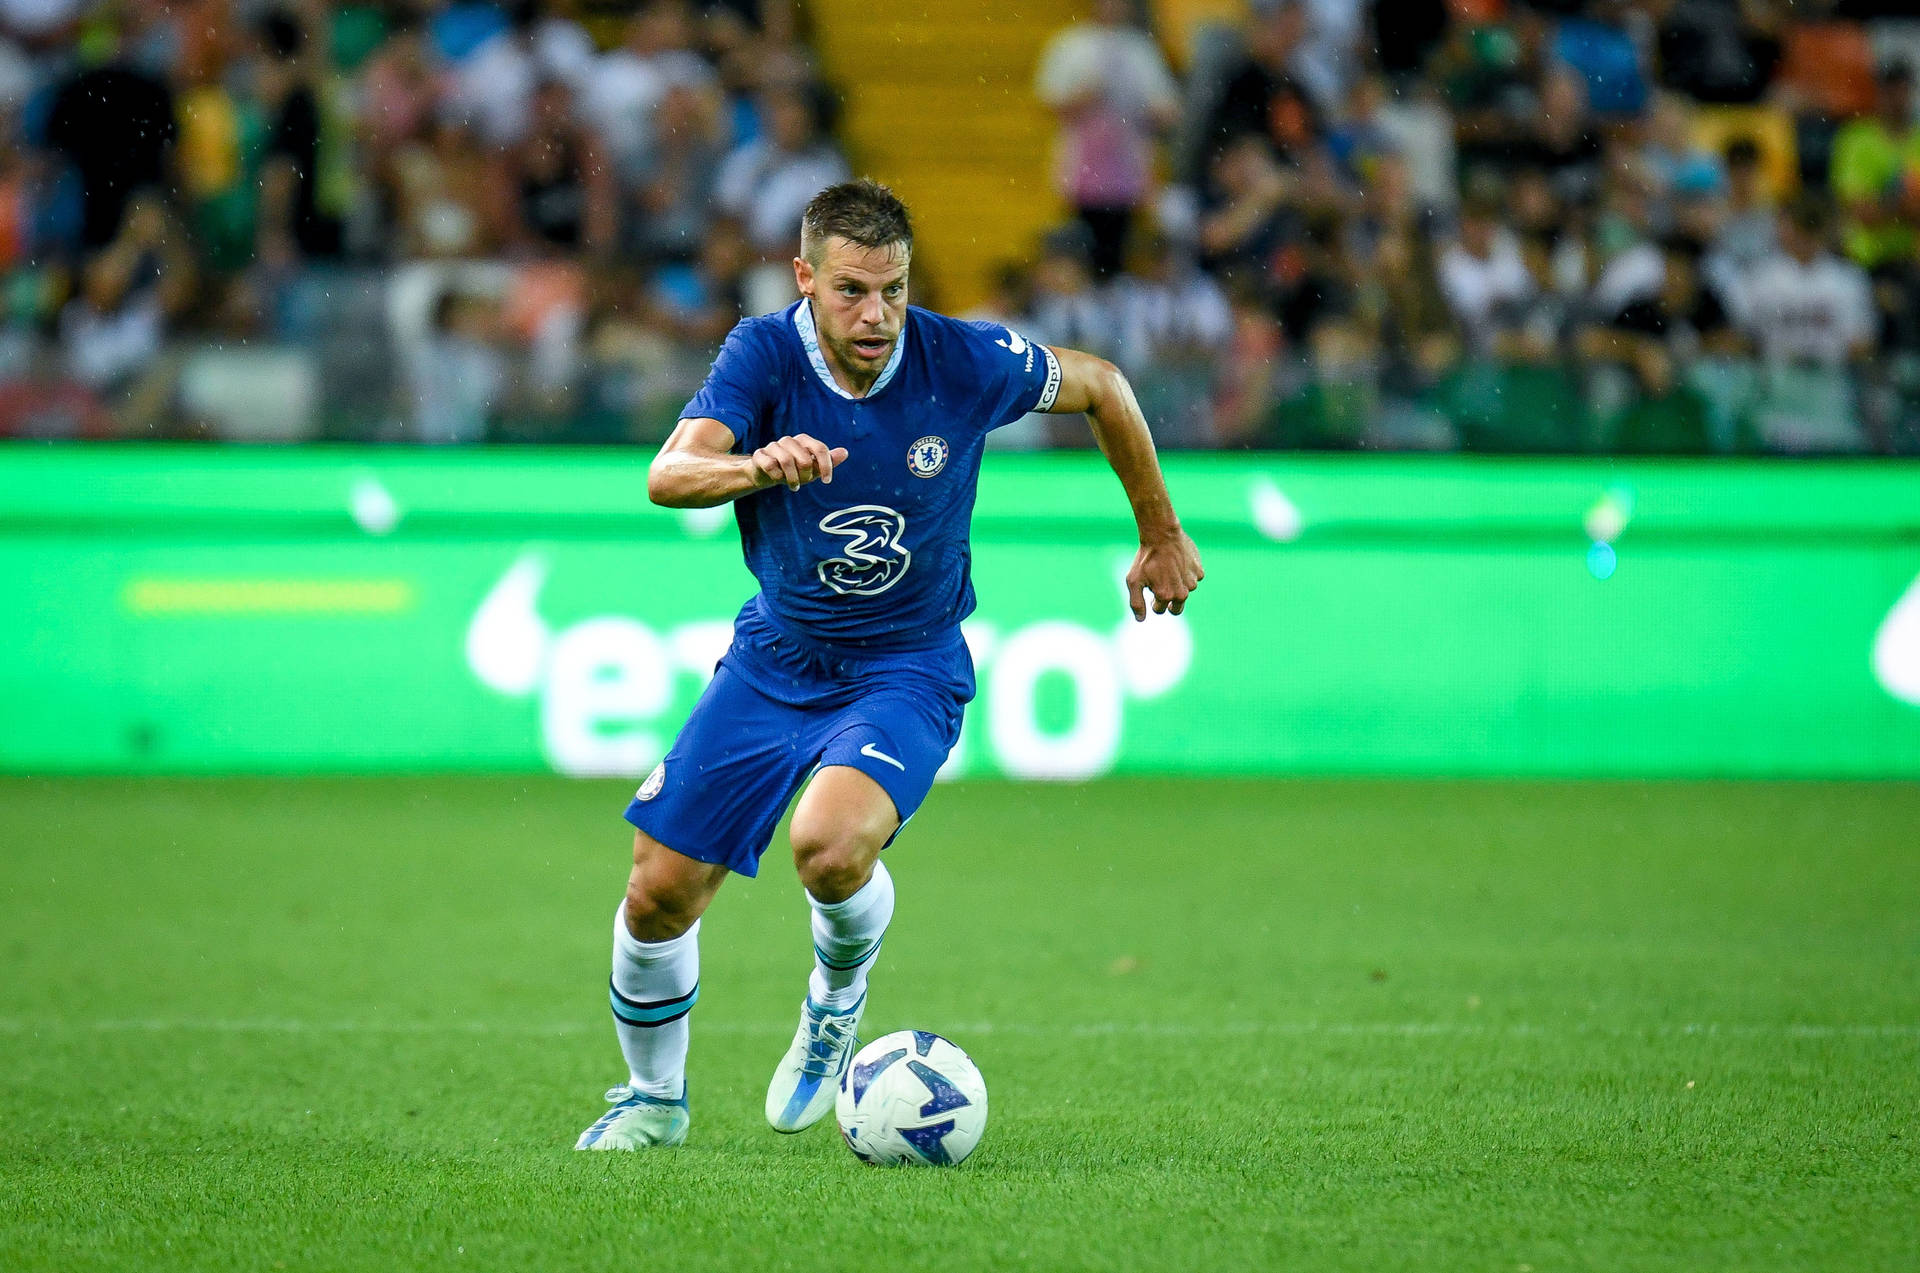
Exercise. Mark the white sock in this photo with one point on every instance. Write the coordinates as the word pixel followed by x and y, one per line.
pixel 846 940
pixel 655 985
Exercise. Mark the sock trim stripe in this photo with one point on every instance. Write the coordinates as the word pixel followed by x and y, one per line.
pixel 659 1012
pixel 643 1005
pixel 848 966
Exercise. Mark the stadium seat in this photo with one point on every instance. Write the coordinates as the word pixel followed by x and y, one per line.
pixel 949 118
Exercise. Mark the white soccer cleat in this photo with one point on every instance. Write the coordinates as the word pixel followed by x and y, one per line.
pixel 804 1082
pixel 637 1121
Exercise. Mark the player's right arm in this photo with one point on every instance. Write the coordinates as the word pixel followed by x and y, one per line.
pixel 697 467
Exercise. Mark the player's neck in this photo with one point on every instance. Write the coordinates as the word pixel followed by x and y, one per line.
pixel 857 385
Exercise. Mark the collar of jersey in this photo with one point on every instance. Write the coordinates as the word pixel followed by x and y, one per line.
pixel 810 341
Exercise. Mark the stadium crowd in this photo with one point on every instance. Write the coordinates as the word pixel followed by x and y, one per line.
pixel 1659 225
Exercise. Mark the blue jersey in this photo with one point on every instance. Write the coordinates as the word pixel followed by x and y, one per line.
pixel 878 559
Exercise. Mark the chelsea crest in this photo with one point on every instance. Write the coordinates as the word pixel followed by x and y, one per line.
pixel 927 456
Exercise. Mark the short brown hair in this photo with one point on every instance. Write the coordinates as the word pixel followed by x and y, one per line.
pixel 863 212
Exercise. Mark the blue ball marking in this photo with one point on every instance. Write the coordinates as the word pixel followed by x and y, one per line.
pixel 945 1095
pixel 864 1075
pixel 930 1142
pixel 923 1041
pixel 1602 560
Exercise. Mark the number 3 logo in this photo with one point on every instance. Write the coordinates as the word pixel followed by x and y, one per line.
pixel 875 560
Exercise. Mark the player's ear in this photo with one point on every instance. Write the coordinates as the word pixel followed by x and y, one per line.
pixel 803 276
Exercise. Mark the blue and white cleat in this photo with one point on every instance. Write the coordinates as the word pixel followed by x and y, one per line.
pixel 637 1121
pixel 805 1082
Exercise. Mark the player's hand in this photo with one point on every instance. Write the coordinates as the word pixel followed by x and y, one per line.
pixel 1168 566
pixel 796 461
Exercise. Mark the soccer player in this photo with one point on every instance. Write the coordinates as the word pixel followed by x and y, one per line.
pixel 848 429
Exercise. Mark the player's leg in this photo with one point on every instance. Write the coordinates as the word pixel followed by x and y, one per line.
pixel 711 807
pixel 841 824
pixel 839 827
pixel 655 983
pixel 875 769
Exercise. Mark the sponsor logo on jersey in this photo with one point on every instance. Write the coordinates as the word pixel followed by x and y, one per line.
pixel 875 558
pixel 927 456
pixel 655 780
pixel 1016 344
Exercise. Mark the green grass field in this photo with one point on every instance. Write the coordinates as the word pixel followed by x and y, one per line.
pixel 342 1024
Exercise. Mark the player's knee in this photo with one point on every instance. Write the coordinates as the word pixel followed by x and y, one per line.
pixel 833 862
pixel 659 914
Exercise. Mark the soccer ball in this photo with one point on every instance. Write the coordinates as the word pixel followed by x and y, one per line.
pixel 912 1097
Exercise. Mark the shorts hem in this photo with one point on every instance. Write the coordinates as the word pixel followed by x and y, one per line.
pixel 749 868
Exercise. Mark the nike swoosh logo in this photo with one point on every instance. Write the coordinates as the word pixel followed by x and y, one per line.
pixel 877 754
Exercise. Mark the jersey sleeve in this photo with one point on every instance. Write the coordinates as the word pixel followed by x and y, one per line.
pixel 1019 375
pixel 739 390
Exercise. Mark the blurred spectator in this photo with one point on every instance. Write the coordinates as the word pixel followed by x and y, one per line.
pixel 1251 211
pixel 1656 340
pixel 460 378
pixel 40 22
pixel 1068 308
pixel 1804 304
pixel 1490 75
pixel 1676 168
pixel 1810 314
pixel 1263 94
pixel 1009 304
pixel 1405 34
pixel 1170 321
pixel 1875 173
pixel 1746 235
pixel 674 181
pixel 1330 50
pixel 444 192
pixel 1562 141
pixel 401 89
pixel 1402 304
pixel 113 331
pixel 297 216
pixel 767 182
pixel 1484 277
pixel 1111 89
pixel 1493 223
pixel 700 300
pixel 1717 50
pixel 1249 374
pixel 492 85
pixel 115 124
pixel 625 90
pixel 1685 318
pixel 556 182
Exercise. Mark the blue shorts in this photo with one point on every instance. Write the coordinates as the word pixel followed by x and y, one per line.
pixel 777 709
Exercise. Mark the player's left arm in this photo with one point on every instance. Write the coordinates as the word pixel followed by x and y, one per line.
pixel 1168 564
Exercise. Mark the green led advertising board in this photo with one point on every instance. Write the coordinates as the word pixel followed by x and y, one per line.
pixel 225 610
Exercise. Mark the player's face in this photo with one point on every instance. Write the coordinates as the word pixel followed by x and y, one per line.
pixel 859 298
